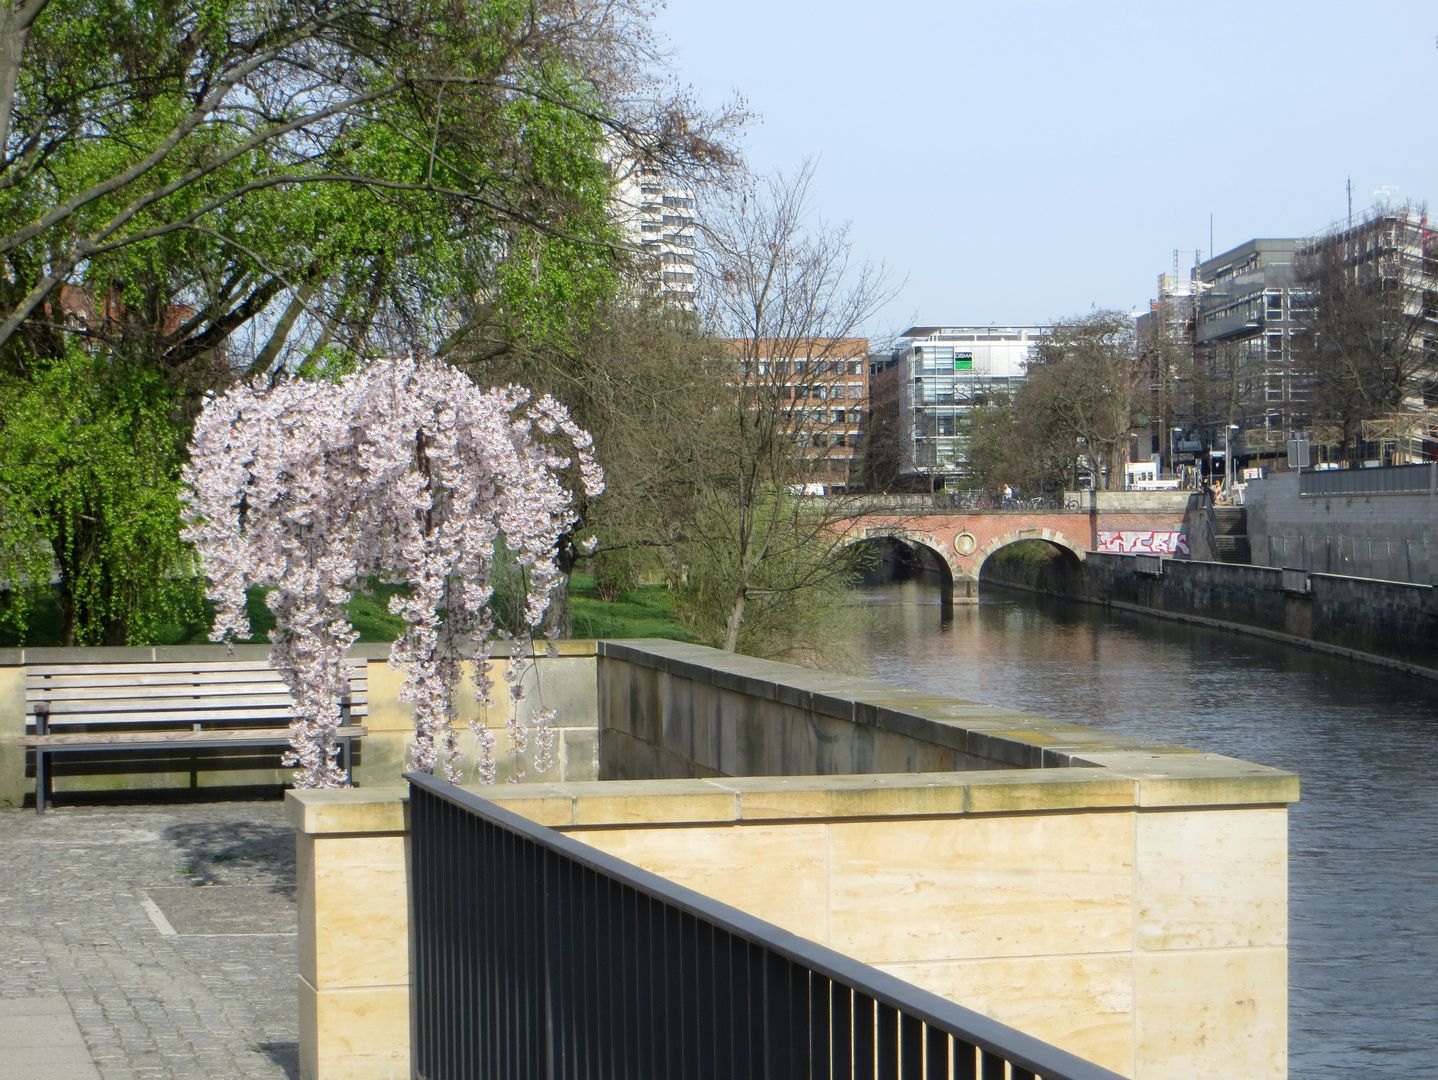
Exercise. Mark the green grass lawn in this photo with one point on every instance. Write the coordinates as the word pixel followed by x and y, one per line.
pixel 648 611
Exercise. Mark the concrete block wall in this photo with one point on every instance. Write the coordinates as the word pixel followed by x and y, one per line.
pixel 1389 536
pixel 1228 591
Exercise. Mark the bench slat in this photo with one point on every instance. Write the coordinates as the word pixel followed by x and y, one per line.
pixel 143 668
pixel 128 693
pixel 159 739
pixel 147 703
pixel 177 716
pixel 176 678
pixel 122 693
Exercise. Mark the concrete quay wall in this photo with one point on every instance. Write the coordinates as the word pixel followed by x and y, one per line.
pixel 1390 622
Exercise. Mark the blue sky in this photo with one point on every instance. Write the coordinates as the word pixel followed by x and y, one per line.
pixel 1024 161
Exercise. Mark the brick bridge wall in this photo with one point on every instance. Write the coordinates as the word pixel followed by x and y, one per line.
pixel 965 540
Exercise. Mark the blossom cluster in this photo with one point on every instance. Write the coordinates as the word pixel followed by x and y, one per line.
pixel 403 472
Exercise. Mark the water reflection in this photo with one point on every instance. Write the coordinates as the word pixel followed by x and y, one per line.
pixel 1363 877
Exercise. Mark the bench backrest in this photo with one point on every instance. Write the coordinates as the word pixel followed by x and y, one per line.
pixel 225 693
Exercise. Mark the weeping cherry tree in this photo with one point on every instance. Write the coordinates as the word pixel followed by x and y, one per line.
pixel 403 472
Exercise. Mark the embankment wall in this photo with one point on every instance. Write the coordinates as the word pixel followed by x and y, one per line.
pixel 1390 622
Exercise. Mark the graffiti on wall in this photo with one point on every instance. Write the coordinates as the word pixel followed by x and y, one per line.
pixel 1143 541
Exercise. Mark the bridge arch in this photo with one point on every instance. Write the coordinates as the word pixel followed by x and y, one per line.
pixel 925 551
pixel 1074 551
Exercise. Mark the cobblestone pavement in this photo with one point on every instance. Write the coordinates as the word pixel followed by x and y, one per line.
pixel 153 992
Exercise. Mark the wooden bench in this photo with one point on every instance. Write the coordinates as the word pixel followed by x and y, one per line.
pixel 166 706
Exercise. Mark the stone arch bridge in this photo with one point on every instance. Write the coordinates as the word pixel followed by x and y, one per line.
pixel 961 541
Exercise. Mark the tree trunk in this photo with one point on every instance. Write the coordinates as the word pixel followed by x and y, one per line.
pixel 67 614
pixel 559 614
pixel 736 620
pixel 1117 464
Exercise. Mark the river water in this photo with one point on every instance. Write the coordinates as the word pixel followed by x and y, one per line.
pixel 1363 842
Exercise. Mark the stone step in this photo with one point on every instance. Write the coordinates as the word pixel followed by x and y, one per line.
pixel 1230 520
pixel 1232 549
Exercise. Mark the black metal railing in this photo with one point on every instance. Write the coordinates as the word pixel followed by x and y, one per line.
pixel 1388 480
pixel 537 957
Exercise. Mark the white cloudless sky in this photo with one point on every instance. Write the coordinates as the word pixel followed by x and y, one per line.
pixel 1024 161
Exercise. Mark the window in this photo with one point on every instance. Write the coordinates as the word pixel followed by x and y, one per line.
pixel 819 438
pixel 1275 304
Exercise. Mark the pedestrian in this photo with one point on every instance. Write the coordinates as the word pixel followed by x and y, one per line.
pixel 1008 494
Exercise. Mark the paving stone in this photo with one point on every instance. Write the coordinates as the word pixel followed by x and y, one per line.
pixel 83 951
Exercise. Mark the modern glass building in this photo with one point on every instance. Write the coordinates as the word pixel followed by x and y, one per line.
pixel 944 373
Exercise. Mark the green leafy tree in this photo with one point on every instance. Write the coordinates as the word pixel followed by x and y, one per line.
pixel 90 481
pixel 194 190
pixel 641 378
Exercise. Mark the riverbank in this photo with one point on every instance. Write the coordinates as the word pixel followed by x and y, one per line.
pixel 646 611
pixel 1385 623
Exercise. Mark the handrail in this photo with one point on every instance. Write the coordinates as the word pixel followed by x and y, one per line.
pixel 1418 479
pixel 799 1002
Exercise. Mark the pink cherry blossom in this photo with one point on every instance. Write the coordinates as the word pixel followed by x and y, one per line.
pixel 403 472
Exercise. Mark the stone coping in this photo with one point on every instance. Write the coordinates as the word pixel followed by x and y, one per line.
pixel 181 654
pixel 1005 736
pixel 1127 780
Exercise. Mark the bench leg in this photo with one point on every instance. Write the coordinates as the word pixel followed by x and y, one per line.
pixel 349 765
pixel 40 784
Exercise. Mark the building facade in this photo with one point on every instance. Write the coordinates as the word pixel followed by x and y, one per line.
pixel 941 374
pixel 1251 300
pixel 658 214
pixel 820 387
pixel 1250 315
